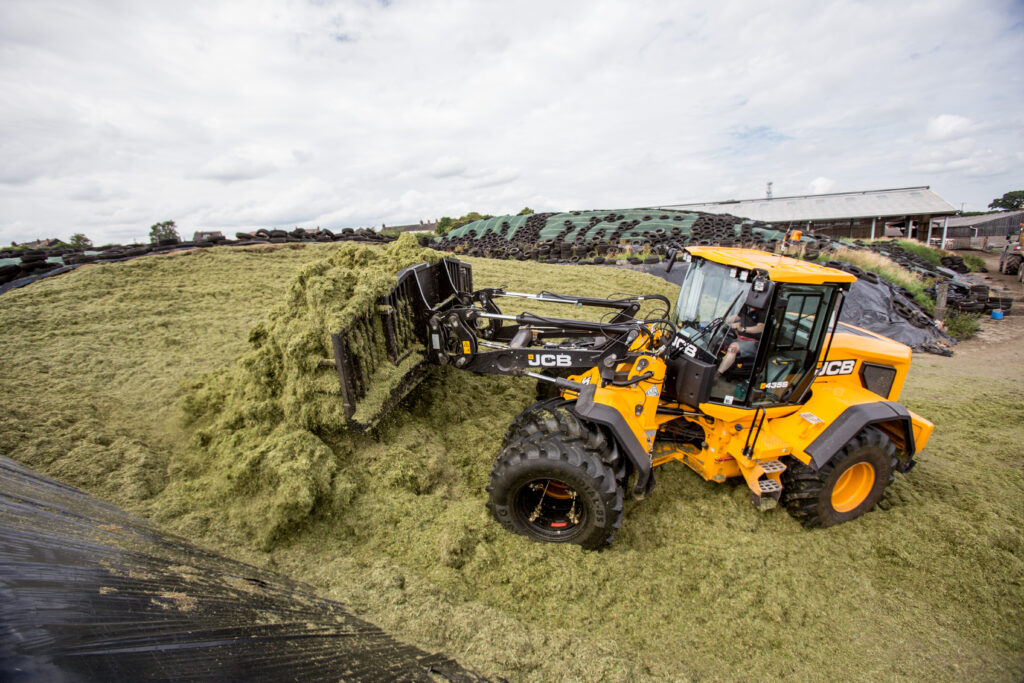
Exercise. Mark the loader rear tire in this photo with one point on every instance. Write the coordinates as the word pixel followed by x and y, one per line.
pixel 847 486
pixel 1013 264
pixel 555 491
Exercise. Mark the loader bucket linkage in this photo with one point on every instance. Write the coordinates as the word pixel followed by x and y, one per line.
pixel 380 356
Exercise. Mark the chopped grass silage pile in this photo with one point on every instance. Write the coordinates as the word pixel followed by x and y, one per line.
pixel 138 382
pixel 261 428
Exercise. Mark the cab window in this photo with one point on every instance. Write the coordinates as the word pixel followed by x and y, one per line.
pixel 791 354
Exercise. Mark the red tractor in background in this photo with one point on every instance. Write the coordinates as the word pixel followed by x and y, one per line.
pixel 1013 254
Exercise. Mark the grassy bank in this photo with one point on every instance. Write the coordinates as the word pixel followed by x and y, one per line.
pixel 887 269
pixel 934 255
pixel 97 365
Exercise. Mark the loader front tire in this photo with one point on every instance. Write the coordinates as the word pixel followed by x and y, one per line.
pixel 555 491
pixel 847 486
pixel 557 418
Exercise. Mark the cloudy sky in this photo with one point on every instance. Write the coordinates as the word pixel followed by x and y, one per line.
pixel 116 114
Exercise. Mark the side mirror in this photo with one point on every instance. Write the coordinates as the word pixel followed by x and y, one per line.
pixel 760 294
pixel 672 253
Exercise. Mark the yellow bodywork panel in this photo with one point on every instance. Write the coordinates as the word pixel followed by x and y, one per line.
pixel 637 403
pixel 786 431
pixel 779 268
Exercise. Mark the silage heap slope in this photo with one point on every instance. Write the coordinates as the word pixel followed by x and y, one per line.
pixel 698 585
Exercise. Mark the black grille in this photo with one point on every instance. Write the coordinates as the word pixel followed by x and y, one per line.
pixel 877 378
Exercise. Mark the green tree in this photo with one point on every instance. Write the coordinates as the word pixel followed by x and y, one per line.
pixel 447 224
pixel 469 218
pixel 80 241
pixel 526 211
pixel 1011 201
pixel 162 231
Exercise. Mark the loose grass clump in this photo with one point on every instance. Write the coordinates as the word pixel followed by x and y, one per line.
pixel 974 262
pixel 935 256
pixel 929 254
pixel 267 417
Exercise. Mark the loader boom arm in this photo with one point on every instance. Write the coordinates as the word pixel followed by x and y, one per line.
pixel 434 316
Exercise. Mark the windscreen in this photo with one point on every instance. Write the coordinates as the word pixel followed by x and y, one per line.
pixel 710 294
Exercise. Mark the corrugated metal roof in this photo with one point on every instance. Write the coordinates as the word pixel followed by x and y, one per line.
pixel 973 221
pixel 823 207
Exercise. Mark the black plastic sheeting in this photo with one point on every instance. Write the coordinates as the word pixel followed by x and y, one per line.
pixel 873 307
pixel 88 592
pixel 21 282
pixel 868 305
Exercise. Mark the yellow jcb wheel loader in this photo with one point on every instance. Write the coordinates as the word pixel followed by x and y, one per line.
pixel 749 375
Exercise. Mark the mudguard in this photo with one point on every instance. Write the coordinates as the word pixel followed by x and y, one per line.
pixel 891 418
pixel 838 412
pixel 609 417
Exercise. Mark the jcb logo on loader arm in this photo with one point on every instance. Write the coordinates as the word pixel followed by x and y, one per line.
pixel 549 360
pixel 837 367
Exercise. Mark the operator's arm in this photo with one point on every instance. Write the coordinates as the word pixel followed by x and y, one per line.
pixel 754 329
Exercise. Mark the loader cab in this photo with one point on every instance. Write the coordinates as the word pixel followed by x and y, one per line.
pixel 711 361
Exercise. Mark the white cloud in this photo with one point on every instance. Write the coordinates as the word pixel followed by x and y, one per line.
pixel 948 127
pixel 215 114
pixel 822 185
pixel 446 166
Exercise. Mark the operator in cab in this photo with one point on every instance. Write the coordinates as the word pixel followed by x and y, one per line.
pixel 747 325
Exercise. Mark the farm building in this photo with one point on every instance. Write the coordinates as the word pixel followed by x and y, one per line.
pixel 979 231
pixel 865 215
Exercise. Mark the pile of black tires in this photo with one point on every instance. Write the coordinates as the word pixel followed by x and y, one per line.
pixel 302 235
pixel 970 298
pixel 592 237
pixel 33 262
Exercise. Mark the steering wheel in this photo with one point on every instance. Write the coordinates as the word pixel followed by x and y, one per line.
pixel 724 344
pixel 714 325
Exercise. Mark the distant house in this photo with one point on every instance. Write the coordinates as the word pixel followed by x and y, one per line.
pixel 422 226
pixel 207 235
pixel 39 244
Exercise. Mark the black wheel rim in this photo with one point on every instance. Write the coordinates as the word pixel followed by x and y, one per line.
pixel 550 507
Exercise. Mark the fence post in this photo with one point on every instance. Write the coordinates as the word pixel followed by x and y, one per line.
pixel 940 300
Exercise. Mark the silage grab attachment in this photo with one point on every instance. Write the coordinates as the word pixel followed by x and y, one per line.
pixel 381 356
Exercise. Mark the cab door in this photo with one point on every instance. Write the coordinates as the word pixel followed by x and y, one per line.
pixel 788 355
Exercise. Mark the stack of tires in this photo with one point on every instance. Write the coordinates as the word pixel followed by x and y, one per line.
pixel 592 237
